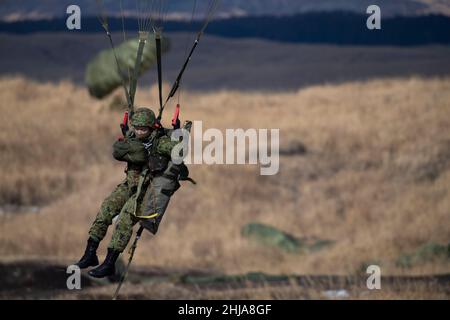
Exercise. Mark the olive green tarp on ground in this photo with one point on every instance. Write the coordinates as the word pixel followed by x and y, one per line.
pixel 270 236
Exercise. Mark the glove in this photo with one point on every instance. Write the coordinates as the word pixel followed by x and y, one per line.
pixel 120 149
pixel 137 152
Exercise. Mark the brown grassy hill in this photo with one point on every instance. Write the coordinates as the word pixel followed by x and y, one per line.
pixel 375 176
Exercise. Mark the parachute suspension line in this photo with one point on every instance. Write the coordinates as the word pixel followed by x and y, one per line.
pixel 209 15
pixel 152 16
pixel 149 18
pixel 165 12
pixel 144 15
pixel 124 34
pixel 188 39
pixel 104 22
pixel 131 252
pixel 160 11
pixel 140 14
pixel 144 23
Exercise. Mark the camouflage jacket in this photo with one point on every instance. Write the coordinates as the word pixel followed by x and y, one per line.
pixel 152 153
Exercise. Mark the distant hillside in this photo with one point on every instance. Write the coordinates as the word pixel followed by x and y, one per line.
pixel 224 63
pixel 13 10
pixel 343 28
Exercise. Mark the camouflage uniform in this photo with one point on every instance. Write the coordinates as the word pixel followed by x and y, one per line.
pixel 142 197
pixel 129 150
pixel 147 162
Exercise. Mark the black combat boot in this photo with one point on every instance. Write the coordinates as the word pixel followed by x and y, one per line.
pixel 107 268
pixel 89 259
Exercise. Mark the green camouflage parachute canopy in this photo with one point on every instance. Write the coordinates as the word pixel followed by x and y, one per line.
pixel 102 75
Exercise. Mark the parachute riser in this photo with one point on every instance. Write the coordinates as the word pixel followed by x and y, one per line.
pixel 176 84
pixel 158 32
pixel 143 36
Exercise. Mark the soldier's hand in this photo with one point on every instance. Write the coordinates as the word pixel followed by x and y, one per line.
pixel 137 152
pixel 120 149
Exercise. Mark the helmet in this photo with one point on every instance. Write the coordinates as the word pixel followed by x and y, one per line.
pixel 143 117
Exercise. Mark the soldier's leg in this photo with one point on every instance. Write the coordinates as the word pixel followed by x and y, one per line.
pixel 110 208
pixel 124 227
pixel 121 235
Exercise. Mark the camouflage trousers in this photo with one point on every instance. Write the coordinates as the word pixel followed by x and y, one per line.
pixel 146 205
pixel 115 204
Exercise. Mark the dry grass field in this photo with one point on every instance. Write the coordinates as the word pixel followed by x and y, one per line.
pixel 375 178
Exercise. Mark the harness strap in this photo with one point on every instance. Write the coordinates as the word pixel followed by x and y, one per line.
pixel 131 252
pixel 139 190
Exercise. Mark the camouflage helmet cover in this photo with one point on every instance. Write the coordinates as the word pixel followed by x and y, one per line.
pixel 143 117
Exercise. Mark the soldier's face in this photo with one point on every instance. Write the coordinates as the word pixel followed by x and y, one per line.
pixel 142 132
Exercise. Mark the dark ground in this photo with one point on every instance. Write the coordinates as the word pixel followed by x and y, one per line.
pixel 32 279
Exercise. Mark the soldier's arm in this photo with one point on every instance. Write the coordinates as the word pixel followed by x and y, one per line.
pixel 120 149
pixel 130 150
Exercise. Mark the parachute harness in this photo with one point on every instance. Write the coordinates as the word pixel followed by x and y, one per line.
pixel 149 16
